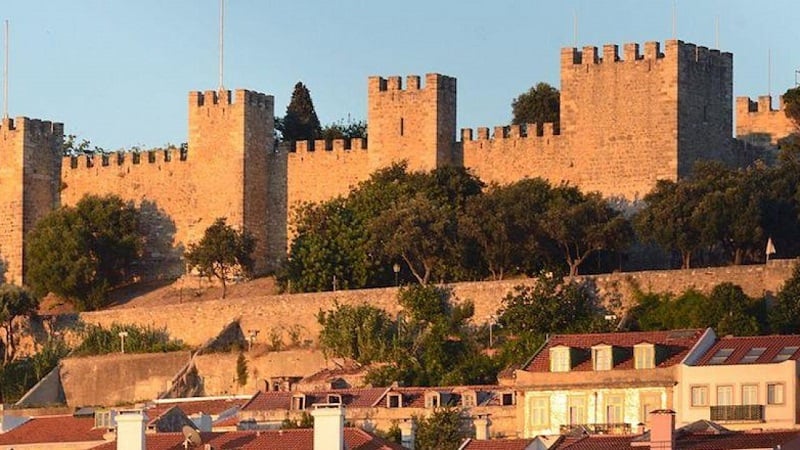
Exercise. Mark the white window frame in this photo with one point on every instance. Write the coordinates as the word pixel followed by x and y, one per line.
pixel 694 400
pixel 540 411
pixel 560 359
pixel 722 391
pixel 776 393
pixel 644 356
pixel 615 406
pixel 602 357
pixel 750 394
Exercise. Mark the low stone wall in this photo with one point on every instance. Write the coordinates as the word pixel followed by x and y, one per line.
pixel 293 316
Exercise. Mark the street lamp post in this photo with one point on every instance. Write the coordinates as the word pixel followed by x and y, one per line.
pixel 122 336
pixel 396 269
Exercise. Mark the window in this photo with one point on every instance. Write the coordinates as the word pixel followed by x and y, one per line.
pixel 299 402
pixel 468 398
pixel 785 353
pixel 432 400
pixel 753 354
pixel 560 359
pixel 644 356
pixel 724 395
pixel 577 410
pixel 699 395
pixel 402 126
pixel 394 401
pixel 650 401
pixel 721 356
pixel 334 399
pixel 104 419
pixel 775 393
pixel 507 399
pixel 750 394
pixel 615 407
pixel 540 411
pixel 601 357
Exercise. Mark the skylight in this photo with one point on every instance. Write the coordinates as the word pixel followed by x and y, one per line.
pixel 785 353
pixel 753 354
pixel 721 355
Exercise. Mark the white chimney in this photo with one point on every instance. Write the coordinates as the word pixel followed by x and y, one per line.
pixel 408 430
pixel 328 426
pixel 481 427
pixel 130 430
pixel 662 429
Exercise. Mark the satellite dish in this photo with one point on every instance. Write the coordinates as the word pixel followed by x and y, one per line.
pixel 192 436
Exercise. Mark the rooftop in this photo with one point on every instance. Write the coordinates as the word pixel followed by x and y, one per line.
pixel 752 350
pixel 50 429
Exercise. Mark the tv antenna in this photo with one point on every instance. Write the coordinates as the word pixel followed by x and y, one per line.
pixel 674 19
pixel 5 75
pixel 797 77
pixel 191 437
pixel 221 41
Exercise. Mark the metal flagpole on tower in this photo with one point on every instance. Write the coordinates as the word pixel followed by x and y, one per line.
pixel 674 19
pixel 575 27
pixel 221 41
pixel 5 76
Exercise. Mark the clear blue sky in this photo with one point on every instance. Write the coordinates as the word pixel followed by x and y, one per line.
pixel 117 72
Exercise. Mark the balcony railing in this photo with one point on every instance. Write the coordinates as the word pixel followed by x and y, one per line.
pixel 598 428
pixel 729 413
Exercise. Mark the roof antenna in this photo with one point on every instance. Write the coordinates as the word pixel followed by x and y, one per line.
pixel 221 41
pixel 674 19
pixel 716 32
pixel 5 77
pixel 769 72
pixel 575 27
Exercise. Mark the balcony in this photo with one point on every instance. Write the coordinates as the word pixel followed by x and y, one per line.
pixel 737 413
pixel 597 428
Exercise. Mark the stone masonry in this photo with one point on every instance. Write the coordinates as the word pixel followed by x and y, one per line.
pixel 626 122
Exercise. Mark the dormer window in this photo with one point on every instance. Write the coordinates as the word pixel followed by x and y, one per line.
pixel 560 360
pixel 298 402
pixel 394 400
pixel 644 356
pixel 104 419
pixel 602 357
pixel 334 399
pixel 469 398
pixel 432 400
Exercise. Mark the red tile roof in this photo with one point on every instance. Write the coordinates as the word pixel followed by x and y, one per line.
pixel 729 440
pixel 597 442
pixel 213 407
pixel 498 444
pixel 299 439
pixel 675 343
pixel 739 346
pixel 45 429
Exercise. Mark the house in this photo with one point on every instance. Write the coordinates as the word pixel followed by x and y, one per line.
pixel 743 382
pixel 51 432
pixel 603 383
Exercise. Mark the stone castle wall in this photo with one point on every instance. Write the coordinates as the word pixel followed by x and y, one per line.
pixel 195 323
pixel 760 123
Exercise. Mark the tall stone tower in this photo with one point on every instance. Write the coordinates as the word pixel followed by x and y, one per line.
pixel 30 180
pixel 417 124
pixel 230 137
pixel 644 117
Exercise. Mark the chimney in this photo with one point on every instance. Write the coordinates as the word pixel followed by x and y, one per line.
pixel 662 429
pixel 130 430
pixel 481 427
pixel 408 430
pixel 328 426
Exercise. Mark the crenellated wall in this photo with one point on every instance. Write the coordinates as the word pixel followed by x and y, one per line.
pixel 760 123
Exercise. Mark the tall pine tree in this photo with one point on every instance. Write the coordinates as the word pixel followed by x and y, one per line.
pixel 301 122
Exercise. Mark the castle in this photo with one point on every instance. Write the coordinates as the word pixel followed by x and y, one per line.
pixel 626 121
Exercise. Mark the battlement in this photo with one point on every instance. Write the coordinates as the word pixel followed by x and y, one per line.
pixel 122 159
pixel 530 130
pixel 433 81
pixel 210 98
pixel 35 126
pixel 323 145
pixel 744 105
pixel 687 52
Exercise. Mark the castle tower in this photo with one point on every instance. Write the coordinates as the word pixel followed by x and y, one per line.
pixel 230 137
pixel 644 117
pixel 30 151
pixel 761 124
pixel 417 124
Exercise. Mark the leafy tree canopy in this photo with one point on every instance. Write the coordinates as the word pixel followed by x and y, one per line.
pixel 14 302
pixel 445 429
pixel 300 122
pixel 539 105
pixel 81 252
pixel 222 253
pixel 363 333
pixel 784 317
pixel 791 101
pixel 344 130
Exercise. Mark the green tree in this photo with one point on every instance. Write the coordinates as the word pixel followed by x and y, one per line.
pixel 222 253
pixel 445 429
pixel 539 105
pixel 344 130
pixel 363 333
pixel 300 122
pixel 81 252
pixel 241 369
pixel 791 101
pixel 784 316
pixel 583 224
pixel 15 302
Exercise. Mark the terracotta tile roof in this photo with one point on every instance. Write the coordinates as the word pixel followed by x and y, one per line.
pixel 732 441
pixel 597 442
pixel 738 347
pixel 54 429
pixel 213 407
pixel 498 444
pixel 301 439
pixel 675 345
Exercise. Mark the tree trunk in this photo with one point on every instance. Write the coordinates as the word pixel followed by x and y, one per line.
pixel 686 259
pixel 737 257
